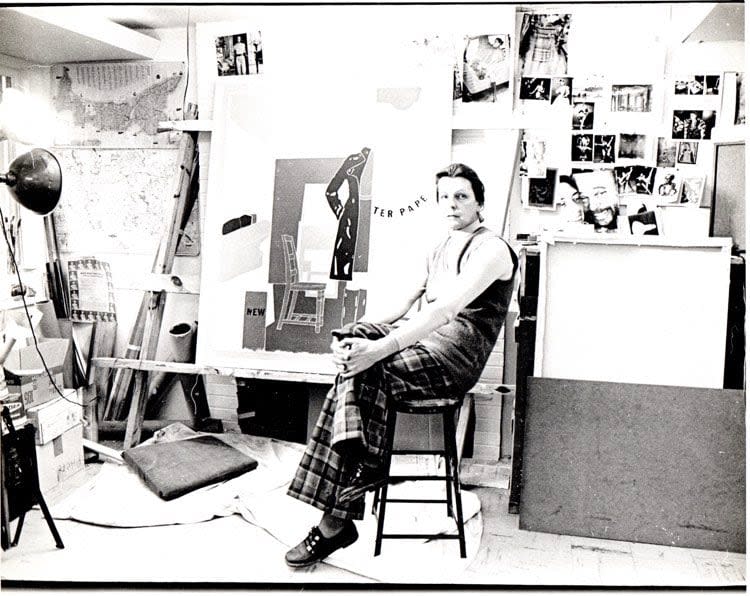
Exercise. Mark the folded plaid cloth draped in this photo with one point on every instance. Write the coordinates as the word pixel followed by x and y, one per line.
pixel 352 421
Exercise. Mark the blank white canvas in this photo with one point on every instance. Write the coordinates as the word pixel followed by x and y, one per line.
pixel 633 310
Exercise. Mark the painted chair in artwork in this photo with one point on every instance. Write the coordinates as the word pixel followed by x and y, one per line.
pixel 293 288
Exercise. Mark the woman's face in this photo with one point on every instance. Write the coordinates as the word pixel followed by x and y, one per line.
pixel 457 202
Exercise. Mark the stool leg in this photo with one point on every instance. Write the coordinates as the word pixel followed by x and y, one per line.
pixel 453 455
pixel 389 432
pixel 448 468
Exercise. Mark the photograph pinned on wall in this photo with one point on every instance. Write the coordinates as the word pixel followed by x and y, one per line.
pixel 583 116
pixel 690 85
pixel 732 111
pixel 666 153
pixel 541 191
pixel 604 148
pixel 713 85
pixel 562 90
pixel 643 223
pixel 543 45
pixel 632 146
pixel 239 54
pixel 687 152
pixel 581 147
pixel 532 160
pixel 601 193
pixel 487 67
pixel 589 88
pixel 698 85
pixel 634 180
pixel 693 124
pixel 666 186
pixel 691 190
pixel 631 98
pixel 535 88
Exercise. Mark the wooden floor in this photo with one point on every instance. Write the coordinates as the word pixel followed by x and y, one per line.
pixel 230 551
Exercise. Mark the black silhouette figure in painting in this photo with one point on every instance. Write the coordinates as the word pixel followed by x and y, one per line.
pixel 347 213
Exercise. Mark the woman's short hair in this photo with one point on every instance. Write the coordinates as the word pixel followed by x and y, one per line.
pixel 459 170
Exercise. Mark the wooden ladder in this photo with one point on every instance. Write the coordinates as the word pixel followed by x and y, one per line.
pixel 144 335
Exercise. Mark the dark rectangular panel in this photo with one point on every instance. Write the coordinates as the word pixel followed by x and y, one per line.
pixel 642 463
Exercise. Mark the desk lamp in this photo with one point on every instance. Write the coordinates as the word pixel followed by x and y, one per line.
pixel 35 180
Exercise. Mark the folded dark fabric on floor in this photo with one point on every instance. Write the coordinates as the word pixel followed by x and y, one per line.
pixel 176 468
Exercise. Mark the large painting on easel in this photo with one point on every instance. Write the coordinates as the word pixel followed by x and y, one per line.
pixel 307 224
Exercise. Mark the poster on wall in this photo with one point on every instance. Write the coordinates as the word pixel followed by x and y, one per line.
pixel 92 296
pixel 117 104
pixel 310 223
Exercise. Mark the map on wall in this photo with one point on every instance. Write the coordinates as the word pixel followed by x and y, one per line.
pixel 119 200
pixel 109 104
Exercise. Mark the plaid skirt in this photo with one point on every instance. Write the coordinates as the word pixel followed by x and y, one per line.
pixel 353 419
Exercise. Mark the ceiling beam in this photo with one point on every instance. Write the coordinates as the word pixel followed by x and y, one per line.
pixel 51 35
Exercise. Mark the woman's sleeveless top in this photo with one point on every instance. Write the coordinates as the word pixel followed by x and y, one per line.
pixel 464 344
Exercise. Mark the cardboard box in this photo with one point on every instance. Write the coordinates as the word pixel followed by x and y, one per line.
pixel 60 459
pixel 53 418
pixel 25 374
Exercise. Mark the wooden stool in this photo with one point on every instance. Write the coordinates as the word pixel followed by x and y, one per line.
pixel 448 408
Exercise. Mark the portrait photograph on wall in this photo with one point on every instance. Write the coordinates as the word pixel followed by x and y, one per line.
pixel 666 153
pixel 239 54
pixel 687 152
pixel 666 185
pixel 693 124
pixel 541 191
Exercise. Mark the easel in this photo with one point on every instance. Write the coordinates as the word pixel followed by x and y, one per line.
pixel 20 481
pixel 145 332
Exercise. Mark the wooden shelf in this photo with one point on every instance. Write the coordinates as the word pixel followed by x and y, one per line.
pixel 188 368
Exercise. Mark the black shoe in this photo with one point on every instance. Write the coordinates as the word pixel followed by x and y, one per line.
pixel 363 478
pixel 317 547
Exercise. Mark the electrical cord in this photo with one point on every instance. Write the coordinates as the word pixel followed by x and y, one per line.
pixel 28 317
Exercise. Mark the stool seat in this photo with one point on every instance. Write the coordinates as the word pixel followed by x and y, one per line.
pixel 427 406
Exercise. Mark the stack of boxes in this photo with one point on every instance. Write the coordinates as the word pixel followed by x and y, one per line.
pixel 56 416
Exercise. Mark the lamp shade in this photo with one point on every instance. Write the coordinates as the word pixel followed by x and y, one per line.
pixel 35 180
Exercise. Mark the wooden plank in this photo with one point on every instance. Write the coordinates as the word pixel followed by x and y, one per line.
pixel 137 410
pixel 186 125
pixel 642 463
pixel 103 450
pixel 161 282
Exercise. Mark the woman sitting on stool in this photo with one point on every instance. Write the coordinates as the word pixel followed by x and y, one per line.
pixel 438 352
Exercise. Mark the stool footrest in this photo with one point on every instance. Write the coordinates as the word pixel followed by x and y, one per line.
pixel 431 536
pixel 416 500
pixel 418 452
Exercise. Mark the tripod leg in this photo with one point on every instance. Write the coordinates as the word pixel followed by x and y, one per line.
pixel 50 521
pixel 19 527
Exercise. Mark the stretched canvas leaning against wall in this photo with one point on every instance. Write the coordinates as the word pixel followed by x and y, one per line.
pixel 312 221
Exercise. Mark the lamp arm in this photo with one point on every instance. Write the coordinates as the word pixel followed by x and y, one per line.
pixel 9 179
